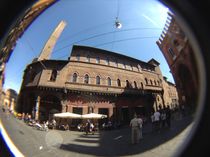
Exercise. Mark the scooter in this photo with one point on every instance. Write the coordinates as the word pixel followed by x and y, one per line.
pixel 43 127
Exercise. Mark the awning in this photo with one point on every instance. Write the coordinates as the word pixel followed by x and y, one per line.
pixel 94 116
pixel 67 115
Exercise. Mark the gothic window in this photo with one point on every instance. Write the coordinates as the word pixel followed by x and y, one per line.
pixel 116 63
pixel 78 57
pixel 146 81
pixel 176 43
pixel 53 75
pixel 139 67
pixel 88 58
pixel 142 86
pixel 151 82
pixel 171 52
pixel 155 83
pixel 109 81
pixel 74 79
pixel 86 80
pixel 97 80
pixel 32 76
pixel 131 67
pixel 127 84
pixel 107 61
pixel 124 66
pixel 118 83
pixel 135 85
pixel 97 60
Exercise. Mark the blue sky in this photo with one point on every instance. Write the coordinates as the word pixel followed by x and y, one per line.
pixel 91 23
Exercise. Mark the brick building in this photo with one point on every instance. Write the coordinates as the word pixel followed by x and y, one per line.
pixel 170 94
pixel 8 43
pixel 92 80
pixel 10 99
pixel 178 53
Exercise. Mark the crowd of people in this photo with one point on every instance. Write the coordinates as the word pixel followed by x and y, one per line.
pixel 161 118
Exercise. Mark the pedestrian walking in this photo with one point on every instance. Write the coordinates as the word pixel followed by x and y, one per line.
pixel 53 124
pixel 135 131
pixel 163 118
pixel 140 127
pixel 168 116
pixel 157 120
pixel 152 121
pixel 88 127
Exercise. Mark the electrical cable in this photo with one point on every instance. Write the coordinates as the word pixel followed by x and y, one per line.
pixel 98 35
pixel 136 38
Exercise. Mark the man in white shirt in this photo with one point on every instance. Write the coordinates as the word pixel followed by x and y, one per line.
pixel 157 120
pixel 140 126
pixel 135 131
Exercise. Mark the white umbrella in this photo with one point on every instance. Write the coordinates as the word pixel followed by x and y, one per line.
pixel 67 115
pixel 94 116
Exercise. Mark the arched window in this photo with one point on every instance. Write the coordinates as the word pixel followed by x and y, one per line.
pixel 74 79
pixel 172 54
pixel 142 86
pixel 139 67
pixel 97 80
pixel 127 83
pixel 135 85
pixel 118 83
pixel 107 61
pixel 78 57
pixel 32 76
pixel 158 83
pixel 155 83
pixel 88 58
pixel 124 66
pixel 131 67
pixel 116 63
pixel 53 75
pixel 86 80
pixel 151 82
pixel 97 60
pixel 146 80
pixel 109 81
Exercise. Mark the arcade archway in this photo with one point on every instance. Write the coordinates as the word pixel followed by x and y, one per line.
pixel 49 105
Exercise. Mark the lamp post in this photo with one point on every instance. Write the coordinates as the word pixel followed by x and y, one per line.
pixel 91 106
pixel 37 108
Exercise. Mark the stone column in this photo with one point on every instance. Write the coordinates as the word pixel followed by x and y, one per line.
pixel 155 105
pixel 37 108
pixel 64 105
pixel 12 104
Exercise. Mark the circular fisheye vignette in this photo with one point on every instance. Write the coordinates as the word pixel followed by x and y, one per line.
pixel 21 9
pixel 12 148
pixel 201 75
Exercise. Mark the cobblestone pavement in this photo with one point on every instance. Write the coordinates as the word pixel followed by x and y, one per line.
pixel 32 142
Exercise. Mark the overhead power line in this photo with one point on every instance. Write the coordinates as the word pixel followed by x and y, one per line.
pixel 99 35
pixel 81 32
pixel 124 40
pixel 115 41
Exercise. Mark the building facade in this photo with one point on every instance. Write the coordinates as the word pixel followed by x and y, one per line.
pixel 170 94
pixel 7 45
pixel 2 77
pixel 179 55
pixel 92 80
pixel 10 99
